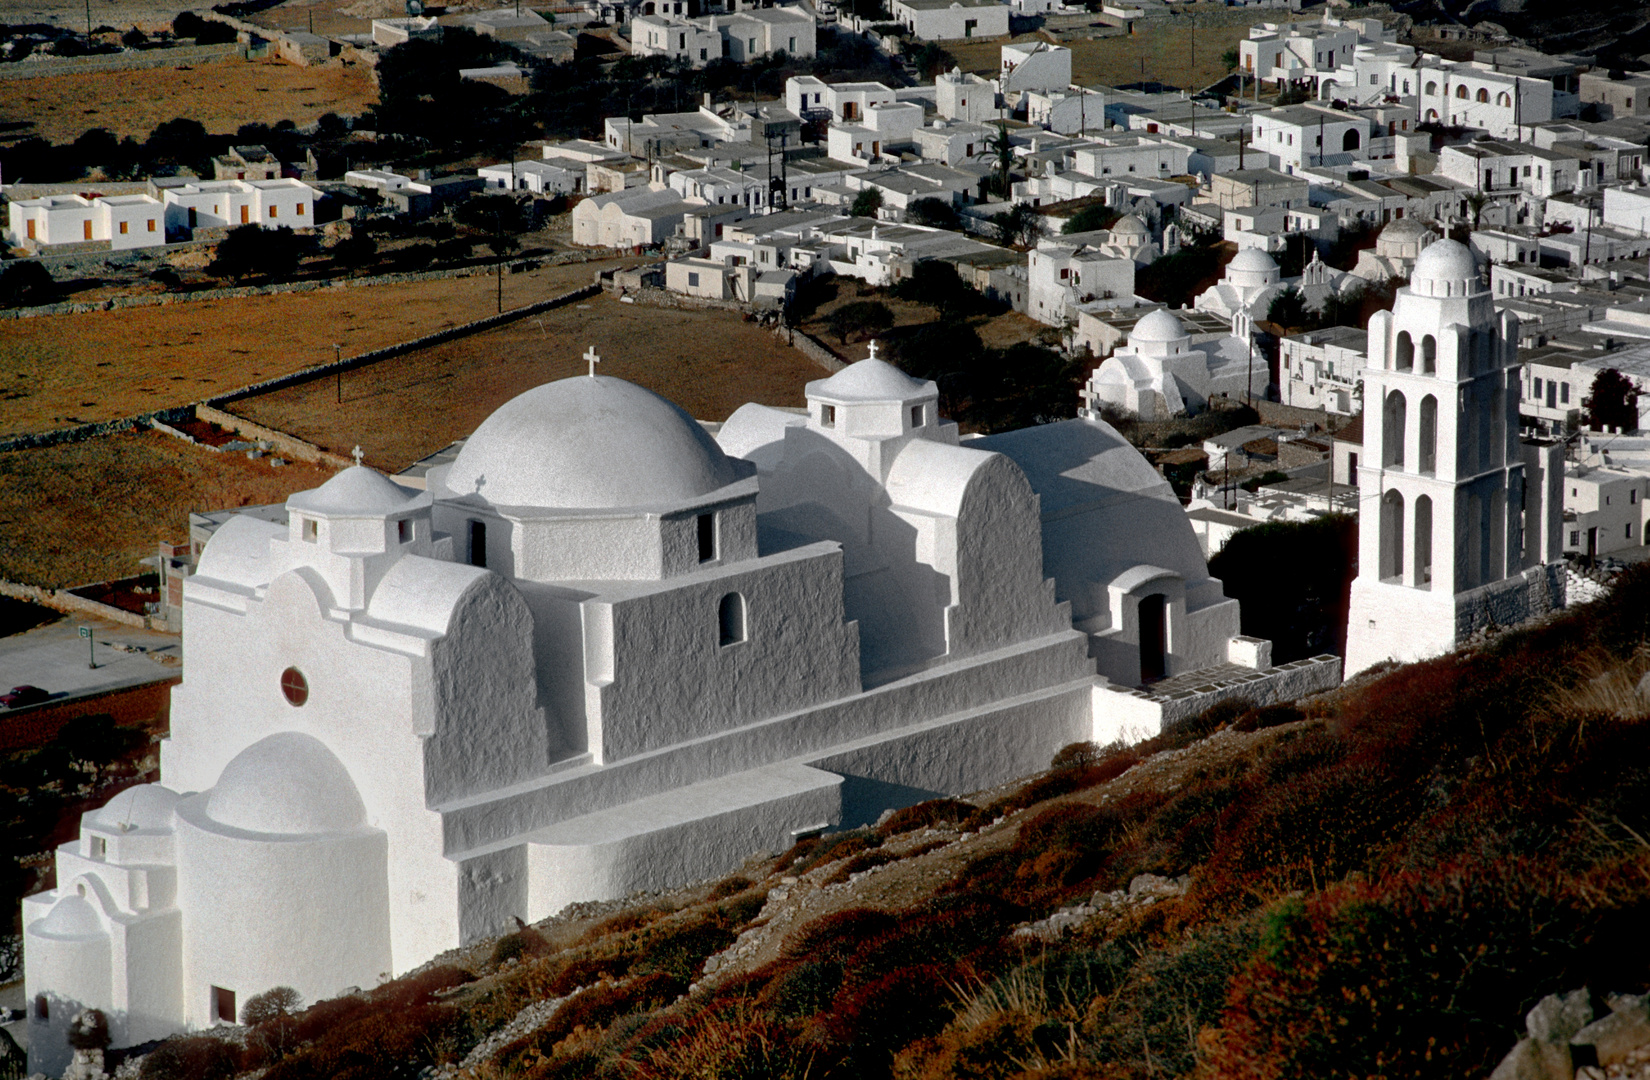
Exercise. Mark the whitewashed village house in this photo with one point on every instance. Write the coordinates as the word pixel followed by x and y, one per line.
pixel 602 653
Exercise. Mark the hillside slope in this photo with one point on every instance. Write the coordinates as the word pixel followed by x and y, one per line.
pixel 1378 883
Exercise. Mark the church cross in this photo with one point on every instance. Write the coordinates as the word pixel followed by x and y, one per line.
pixel 357 455
pixel 873 348
pixel 590 355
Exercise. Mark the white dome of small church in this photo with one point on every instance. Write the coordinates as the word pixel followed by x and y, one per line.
pixel 287 784
pixel 146 806
pixel 357 490
pixel 869 380
pixel 71 919
pixel 589 442
pixel 1159 327
pixel 1251 267
pixel 1445 268
pixel 1130 225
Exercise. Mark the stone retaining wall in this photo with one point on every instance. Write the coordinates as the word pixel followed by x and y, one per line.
pixel 1537 591
pixel 813 349
pixel 119 302
pixel 82 432
pixel 1139 714
pixel 439 337
pixel 66 601
pixel 126 61
pixel 287 446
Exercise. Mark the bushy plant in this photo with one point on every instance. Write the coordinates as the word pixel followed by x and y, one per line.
pixel 197 1058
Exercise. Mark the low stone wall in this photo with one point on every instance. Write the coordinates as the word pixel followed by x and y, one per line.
pixel 1538 591
pixel 439 337
pixel 120 302
pixel 82 432
pixel 813 348
pixel 66 601
pixel 125 61
pixel 1132 715
pixel 287 446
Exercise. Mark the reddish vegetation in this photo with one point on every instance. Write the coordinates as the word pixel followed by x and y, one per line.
pixel 1381 885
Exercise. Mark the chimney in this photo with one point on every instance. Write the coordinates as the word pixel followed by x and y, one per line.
pixel 707 99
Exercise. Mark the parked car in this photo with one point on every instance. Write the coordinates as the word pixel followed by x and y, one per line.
pixel 19 696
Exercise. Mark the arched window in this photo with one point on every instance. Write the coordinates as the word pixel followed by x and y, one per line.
pixel 1429 355
pixel 1350 140
pixel 730 619
pixel 1392 536
pixel 1432 115
pixel 1429 437
pixel 1404 356
pixel 1483 96
pixel 1422 547
pixel 1392 429
pixel 1503 99
pixel 1432 88
pixel 1461 92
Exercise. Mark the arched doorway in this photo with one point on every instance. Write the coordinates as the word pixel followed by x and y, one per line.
pixel 1154 638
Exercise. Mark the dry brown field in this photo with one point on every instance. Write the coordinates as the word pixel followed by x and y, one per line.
pixel 399 410
pixel 222 95
pixel 88 511
pixel 60 370
pixel 1164 54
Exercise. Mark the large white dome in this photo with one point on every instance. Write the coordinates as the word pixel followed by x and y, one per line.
pixel 288 784
pixel 589 442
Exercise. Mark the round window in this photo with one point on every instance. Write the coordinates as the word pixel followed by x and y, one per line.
pixel 294 686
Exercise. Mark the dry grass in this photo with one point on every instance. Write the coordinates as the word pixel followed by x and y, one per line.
pixel 708 362
pixel 222 95
pixel 1160 53
pixel 88 511
pixel 68 369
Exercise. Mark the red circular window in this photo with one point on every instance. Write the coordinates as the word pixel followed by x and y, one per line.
pixel 294 686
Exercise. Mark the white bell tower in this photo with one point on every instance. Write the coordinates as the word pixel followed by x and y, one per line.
pixel 1458 519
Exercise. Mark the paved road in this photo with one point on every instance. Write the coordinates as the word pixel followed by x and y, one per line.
pixel 55 657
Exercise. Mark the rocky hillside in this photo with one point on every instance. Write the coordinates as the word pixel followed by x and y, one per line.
pixel 1379 882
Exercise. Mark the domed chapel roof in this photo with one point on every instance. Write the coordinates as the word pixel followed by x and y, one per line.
pixel 287 784
pixel 589 442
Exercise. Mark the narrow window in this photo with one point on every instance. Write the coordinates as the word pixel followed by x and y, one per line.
pixel 42 1008
pixel 86 229
pixel 125 227
pixel 300 209
pixel 730 618
pixel 404 531
pixel 827 416
pixel 707 537
pixel 100 847
pixel 916 416
pixel 272 213
pixel 151 224
pixel 311 530
pixel 223 1005
pixel 294 687
pixel 478 543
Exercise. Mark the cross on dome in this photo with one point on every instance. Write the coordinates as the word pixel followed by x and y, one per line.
pixel 356 454
pixel 590 355
pixel 873 349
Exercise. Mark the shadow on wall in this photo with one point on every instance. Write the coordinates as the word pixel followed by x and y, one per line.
pixel 864 800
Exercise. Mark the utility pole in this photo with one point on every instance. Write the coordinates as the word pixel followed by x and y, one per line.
pixel 338 369
pixel 88 22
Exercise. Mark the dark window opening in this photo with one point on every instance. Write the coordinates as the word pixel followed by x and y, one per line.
pixel 100 847
pixel 294 686
pixel 916 416
pixel 404 531
pixel 42 1008
pixel 707 537
pixel 827 415
pixel 223 1005
pixel 478 543
pixel 730 616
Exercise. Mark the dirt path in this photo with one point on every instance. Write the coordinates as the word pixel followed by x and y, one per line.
pixel 708 362
pixel 68 369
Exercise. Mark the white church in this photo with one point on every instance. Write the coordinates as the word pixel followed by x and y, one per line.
pixel 603 652
pixel 1160 374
